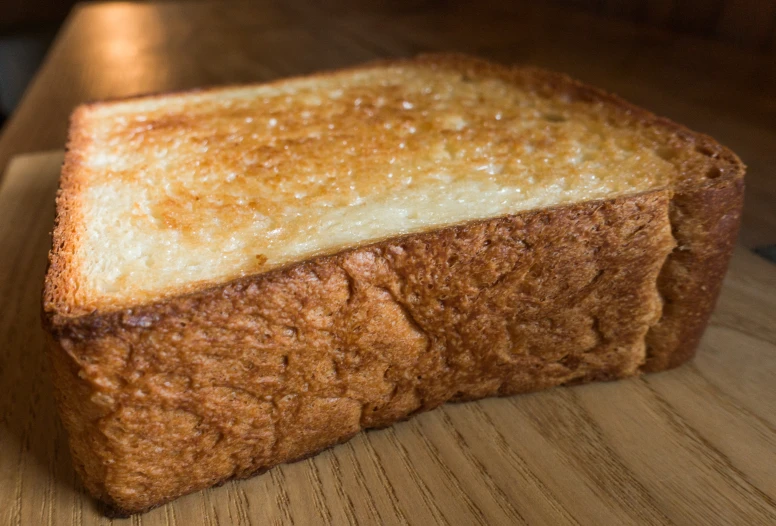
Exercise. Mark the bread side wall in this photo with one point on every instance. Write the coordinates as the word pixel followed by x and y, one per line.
pixel 184 394
pixel 705 224
pixel 75 397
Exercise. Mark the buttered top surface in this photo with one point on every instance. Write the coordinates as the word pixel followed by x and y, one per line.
pixel 178 192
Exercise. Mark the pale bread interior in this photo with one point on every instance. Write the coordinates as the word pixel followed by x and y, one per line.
pixel 183 191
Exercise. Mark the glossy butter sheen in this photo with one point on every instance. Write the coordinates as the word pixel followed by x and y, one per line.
pixel 212 186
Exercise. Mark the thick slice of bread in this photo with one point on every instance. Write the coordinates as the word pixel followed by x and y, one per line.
pixel 244 276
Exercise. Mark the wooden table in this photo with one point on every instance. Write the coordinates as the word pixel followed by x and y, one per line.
pixel 692 446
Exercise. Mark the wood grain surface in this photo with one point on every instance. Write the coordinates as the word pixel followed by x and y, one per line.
pixel 696 445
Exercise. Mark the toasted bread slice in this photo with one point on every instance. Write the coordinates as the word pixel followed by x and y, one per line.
pixel 247 275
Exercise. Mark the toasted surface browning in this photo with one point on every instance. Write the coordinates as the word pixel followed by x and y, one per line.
pixel 178 193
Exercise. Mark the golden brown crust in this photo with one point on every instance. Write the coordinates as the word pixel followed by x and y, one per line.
pixel 705 225
pixel 179 395
pixel 62 269
pixel 375 334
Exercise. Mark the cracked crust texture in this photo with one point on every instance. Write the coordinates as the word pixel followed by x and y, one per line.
pixel 169 397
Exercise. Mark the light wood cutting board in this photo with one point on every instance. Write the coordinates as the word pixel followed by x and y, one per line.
pixel 696 445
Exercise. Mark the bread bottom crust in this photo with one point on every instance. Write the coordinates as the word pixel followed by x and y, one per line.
pixel 177 396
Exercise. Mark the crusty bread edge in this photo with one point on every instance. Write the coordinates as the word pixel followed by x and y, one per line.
pixel 62 271
pixel 689 298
